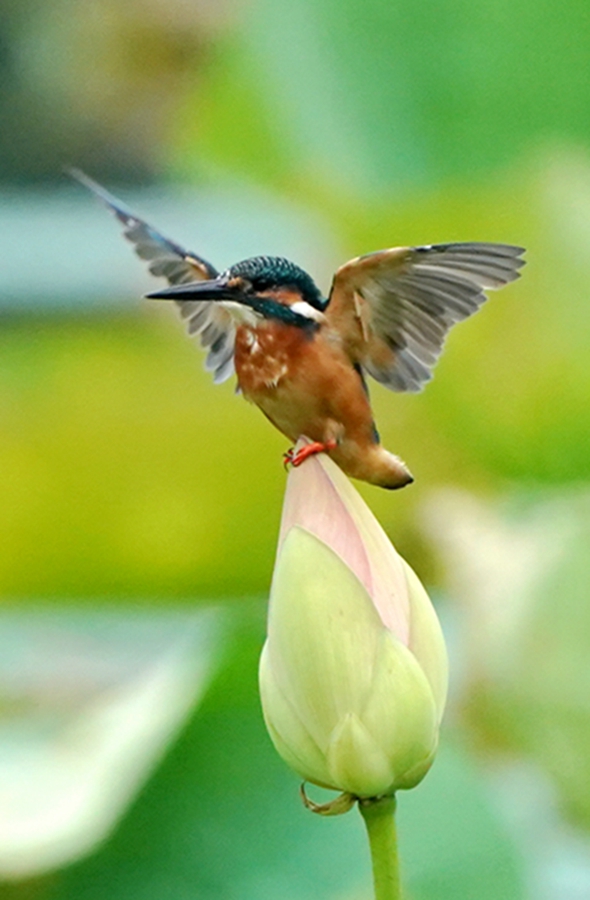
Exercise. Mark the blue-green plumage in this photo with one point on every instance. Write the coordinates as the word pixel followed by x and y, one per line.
pixel 265 272
pixel 272 309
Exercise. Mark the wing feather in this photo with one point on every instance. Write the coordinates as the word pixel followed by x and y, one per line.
pixel 169 260
pixel 395 307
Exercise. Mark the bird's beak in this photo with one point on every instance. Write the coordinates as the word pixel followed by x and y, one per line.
pixel 217 289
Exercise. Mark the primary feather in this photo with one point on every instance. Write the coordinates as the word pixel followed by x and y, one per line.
pixel 406 299
pixel 167 259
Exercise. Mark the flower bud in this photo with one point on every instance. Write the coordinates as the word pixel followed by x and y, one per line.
pixel 353 675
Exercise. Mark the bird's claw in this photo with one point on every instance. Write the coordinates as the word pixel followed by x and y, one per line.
pixel 295 458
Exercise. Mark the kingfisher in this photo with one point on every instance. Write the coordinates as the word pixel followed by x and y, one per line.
pixel 303 358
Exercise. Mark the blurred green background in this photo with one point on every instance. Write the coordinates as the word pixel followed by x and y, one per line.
pixel 140 503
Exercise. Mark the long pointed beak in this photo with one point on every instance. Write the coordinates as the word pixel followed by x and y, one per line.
pixel 196 290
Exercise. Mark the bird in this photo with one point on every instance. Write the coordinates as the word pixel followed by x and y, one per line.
pixel 303 358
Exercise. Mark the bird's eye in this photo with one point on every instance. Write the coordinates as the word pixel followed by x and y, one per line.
pixel 258 285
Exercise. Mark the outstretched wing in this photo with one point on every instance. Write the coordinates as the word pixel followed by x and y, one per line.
pixel 169 260
pixel 395 307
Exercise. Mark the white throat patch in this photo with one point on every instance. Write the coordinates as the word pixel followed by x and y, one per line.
pixel 305 309
pixel 240 313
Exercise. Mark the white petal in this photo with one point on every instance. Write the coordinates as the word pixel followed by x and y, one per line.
pixel 289 735
pixel 357 762
pixel 427 641
pixel 321 499
pixel 401 711
pixel 323 634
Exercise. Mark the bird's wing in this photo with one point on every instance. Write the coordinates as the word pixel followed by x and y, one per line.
pixel 395 307
pixel 169 260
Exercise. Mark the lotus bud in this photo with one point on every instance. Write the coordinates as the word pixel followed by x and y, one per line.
pixel 353 675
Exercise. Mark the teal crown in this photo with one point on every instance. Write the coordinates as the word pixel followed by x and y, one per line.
pixel 264 272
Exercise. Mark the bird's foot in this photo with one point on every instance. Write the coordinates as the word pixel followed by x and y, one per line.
pixel 295 458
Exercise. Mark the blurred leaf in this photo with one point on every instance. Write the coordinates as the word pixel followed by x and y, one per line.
pixel 233 126
pixel 384 95
pixel 556 647
pixel 222 818
pixel 125 470
pixel 453 843
pixel 93 84
pixel 521 573
pixel 88 704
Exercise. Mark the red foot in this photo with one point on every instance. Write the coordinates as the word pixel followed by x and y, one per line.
pixel 295 459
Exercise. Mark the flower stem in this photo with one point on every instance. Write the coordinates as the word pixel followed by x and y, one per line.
pixel 379 816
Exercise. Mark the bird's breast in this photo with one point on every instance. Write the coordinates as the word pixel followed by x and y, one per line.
pixel 304 382
pixel 265 355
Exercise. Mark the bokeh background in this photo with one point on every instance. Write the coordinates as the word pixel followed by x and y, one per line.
pixel 140 504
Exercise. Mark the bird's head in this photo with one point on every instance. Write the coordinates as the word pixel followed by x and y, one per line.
pixel 270 286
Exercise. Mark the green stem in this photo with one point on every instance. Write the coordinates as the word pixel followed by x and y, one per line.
pixel 379 816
